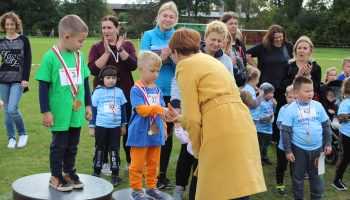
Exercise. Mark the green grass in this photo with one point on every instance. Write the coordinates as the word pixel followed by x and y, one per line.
pixel 34 158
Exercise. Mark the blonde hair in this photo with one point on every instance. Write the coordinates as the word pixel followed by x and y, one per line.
pixel 15 19
pixel 302 39
pixel 216 26
pixel 239 34
pixel 289 89
pixel 345 88
pixel 146 58
pixel 246 97
pixel 168 6
pixel 72 25
pixel 345 60
pixel 327 73
pixel 228 47
pixel 253 73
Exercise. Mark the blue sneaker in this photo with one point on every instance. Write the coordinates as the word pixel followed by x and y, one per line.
pixel 138 195
pixel 155 194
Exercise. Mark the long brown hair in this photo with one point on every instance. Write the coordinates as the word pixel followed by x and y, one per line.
pixel 269 36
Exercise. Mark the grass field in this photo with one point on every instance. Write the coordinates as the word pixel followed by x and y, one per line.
pixel 34 158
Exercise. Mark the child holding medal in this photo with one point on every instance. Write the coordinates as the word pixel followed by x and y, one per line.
pixel 305 134
pixel 65 100
pixel 147 131
pixel 108 121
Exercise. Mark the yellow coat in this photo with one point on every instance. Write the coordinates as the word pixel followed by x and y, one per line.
pixel 221 130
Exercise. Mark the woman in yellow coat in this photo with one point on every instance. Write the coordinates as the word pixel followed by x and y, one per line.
pixel 219 125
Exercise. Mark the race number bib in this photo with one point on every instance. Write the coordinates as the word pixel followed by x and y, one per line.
pixel 304 112
pixel 109 108
pixel 73 73
pixel 153 99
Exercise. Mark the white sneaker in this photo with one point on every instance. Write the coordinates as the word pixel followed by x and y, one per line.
pixel 106 170
pixel 127 167
pixel 22 141
pixel 12 143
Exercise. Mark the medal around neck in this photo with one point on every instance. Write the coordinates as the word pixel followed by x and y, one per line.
pixel 153 130
pixel 77 104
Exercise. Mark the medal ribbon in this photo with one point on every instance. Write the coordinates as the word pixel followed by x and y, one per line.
pixel 71 84
pixel 110 104
pixel 268 107
pixel 145 94
pixel 302 118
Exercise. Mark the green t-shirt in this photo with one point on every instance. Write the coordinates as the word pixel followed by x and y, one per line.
pixel 60 96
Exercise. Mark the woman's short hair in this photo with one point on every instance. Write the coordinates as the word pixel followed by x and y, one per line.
pixel 302 39
pixel 216 26
pixel 185 41
pixel 168 6
pixel 227 16
pixel 111 18
pixel 15 19
pixel 269 36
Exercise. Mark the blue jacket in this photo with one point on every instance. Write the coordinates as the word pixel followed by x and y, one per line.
pixel 158 38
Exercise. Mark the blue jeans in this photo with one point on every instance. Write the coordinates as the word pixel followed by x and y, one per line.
pixel 11 94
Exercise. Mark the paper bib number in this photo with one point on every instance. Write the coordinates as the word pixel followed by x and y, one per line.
pixel 73 74
pixel 304 112
pixel 152 99
pixel 109 108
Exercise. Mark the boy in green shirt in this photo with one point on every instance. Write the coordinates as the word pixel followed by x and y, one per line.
pixel 65 100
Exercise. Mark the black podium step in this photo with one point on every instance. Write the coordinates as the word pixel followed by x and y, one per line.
pixel 37 187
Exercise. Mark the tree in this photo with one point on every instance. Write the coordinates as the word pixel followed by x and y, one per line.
pixel 292 8
pixel 91 11
pixel 230 5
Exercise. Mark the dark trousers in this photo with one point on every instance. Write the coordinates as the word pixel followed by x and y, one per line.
pixel 185 163
pixel 281 167
pixel 305 161
pixel 264 143
pixel 107 137
pixel 281 99
pixel 344 159
pixel 165 151
pixel 63 150
pixel 125 138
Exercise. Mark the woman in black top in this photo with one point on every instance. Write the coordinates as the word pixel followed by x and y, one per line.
pixel 273 54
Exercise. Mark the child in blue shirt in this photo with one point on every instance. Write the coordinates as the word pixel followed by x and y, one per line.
pixel 282 161
pixel 252 79
pixel 264 125
pixel 108 121
pixel 305 134
pixel 345 67
pixel 344 137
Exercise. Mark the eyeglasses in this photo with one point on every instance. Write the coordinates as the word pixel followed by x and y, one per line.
pixel 330 95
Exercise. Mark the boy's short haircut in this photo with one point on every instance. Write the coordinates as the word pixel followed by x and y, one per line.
pixel 72 25
pixel 146 58
pixel 299 81
pixel 345 60
pixel 289 89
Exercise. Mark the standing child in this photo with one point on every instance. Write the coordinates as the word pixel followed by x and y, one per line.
pixel 264 125
pixel 253 76
pixel 65 100
pixel 344 137
pixel 305 130
pixel 331 75
pixel 282 161
pixel 345 67
pixel 108 121
pixel 147 131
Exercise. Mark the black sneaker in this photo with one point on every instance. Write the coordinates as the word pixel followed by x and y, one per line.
pixel 116 180
pixel 267 161
pixel 73 179
pixel 164 183
pixel 280 189
pixel 339 185
pixel 159 184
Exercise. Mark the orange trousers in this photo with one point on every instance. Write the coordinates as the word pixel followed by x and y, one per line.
pixel 147 158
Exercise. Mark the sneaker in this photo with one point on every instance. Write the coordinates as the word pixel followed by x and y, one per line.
pixel 280 189
pixel 306 176
pixel 106 170
pixel 127 165
pixel 22 141
pixel 95 174
pixel 60 184
pixel 138 195
pixel 155 194
pixel 339 185
pixel 267 161
pixel 164 183
pixel 116 180
pixel 178 193
pixel 73 179
pixel 12 143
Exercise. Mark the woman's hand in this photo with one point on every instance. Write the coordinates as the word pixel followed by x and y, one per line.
pixel 165 53
pixel 106 46
pixel 308 69
pixel 175 117
pixel 301 71
pixel 120 41
pixel 24 84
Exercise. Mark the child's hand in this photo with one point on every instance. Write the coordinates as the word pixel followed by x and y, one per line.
pixel 48 120
pixel 166 114
pixel 88 113
pixel 290 157
pixel 327 150
pixel 331 111
pixel 123 130
pixel 1 103
pixel 92 132
pixel 261 93
pixel 274 101
pixel 274 143
pixel 266 118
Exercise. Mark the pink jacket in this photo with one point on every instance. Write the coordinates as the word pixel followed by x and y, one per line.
pixel 182 135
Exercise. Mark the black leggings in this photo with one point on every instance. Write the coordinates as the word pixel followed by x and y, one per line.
pixel 344 158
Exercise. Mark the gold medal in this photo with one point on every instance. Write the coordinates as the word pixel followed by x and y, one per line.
pixel 115 120
pixel 307 139
pixel 150 132
pixel 77 104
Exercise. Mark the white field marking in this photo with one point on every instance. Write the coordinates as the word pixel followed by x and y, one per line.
pixel 327 59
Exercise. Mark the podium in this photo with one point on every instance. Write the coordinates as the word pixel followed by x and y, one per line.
pixel 37 187
pixel 124 194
